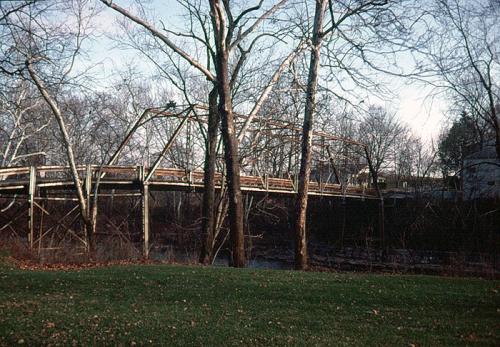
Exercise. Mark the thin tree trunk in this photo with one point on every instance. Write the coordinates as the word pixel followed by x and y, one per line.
pixel 381 208
pixel 68 147
pixel 307 135
pixel 228 136
pixel 208 209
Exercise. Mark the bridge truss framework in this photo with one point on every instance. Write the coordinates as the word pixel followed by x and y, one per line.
pixel 30 190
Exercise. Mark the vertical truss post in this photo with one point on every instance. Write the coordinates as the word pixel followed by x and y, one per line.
pixel 145 218
pixel 145 210
pixel 320 165
pixel 31 212
pixel 88 189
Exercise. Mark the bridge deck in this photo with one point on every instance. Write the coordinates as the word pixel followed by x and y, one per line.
pixel 17 180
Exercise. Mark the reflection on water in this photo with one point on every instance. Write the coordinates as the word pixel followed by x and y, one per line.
pixel 355 259
pixel 169 254
pixel 258 264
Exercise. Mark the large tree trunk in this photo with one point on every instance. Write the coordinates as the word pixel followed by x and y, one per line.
pixel 497 142
pixel 496 127
pixel 208 209
pixel 307 135
pixel 228 136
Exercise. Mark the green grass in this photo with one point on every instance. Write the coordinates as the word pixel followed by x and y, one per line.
pixel 199 306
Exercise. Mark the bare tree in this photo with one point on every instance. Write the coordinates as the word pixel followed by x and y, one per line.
pixel 227 33
pixel 380 130
pixel 42 48
pixel 225 110
pixel 465 65
pixel 21 120
pixel 67 144
pixel 307 135
pixel 322 31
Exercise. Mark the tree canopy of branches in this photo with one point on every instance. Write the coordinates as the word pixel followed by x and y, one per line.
pixel 239 66
pixel 463 60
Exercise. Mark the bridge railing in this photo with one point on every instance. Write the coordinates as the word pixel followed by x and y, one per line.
pixel 114 173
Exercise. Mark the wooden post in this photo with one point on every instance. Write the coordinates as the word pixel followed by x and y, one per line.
pixel 145 211
pixel 31 212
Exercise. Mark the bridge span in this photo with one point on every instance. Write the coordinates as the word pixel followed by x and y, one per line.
pixel 34 189
pixel 20 180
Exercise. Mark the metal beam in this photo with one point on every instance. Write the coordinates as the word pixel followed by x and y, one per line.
pixel 31 212
pixel 165 149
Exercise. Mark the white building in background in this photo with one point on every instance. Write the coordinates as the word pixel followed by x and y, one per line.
pixel 481 174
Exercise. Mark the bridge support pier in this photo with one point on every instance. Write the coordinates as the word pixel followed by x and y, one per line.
pixel 31 202
pixel 89 234
pixel 145 219
pixel 145 210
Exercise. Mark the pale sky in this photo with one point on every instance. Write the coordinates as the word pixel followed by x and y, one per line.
pixel 424 115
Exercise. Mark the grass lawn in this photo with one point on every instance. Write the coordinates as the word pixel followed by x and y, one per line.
pixel 204 306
